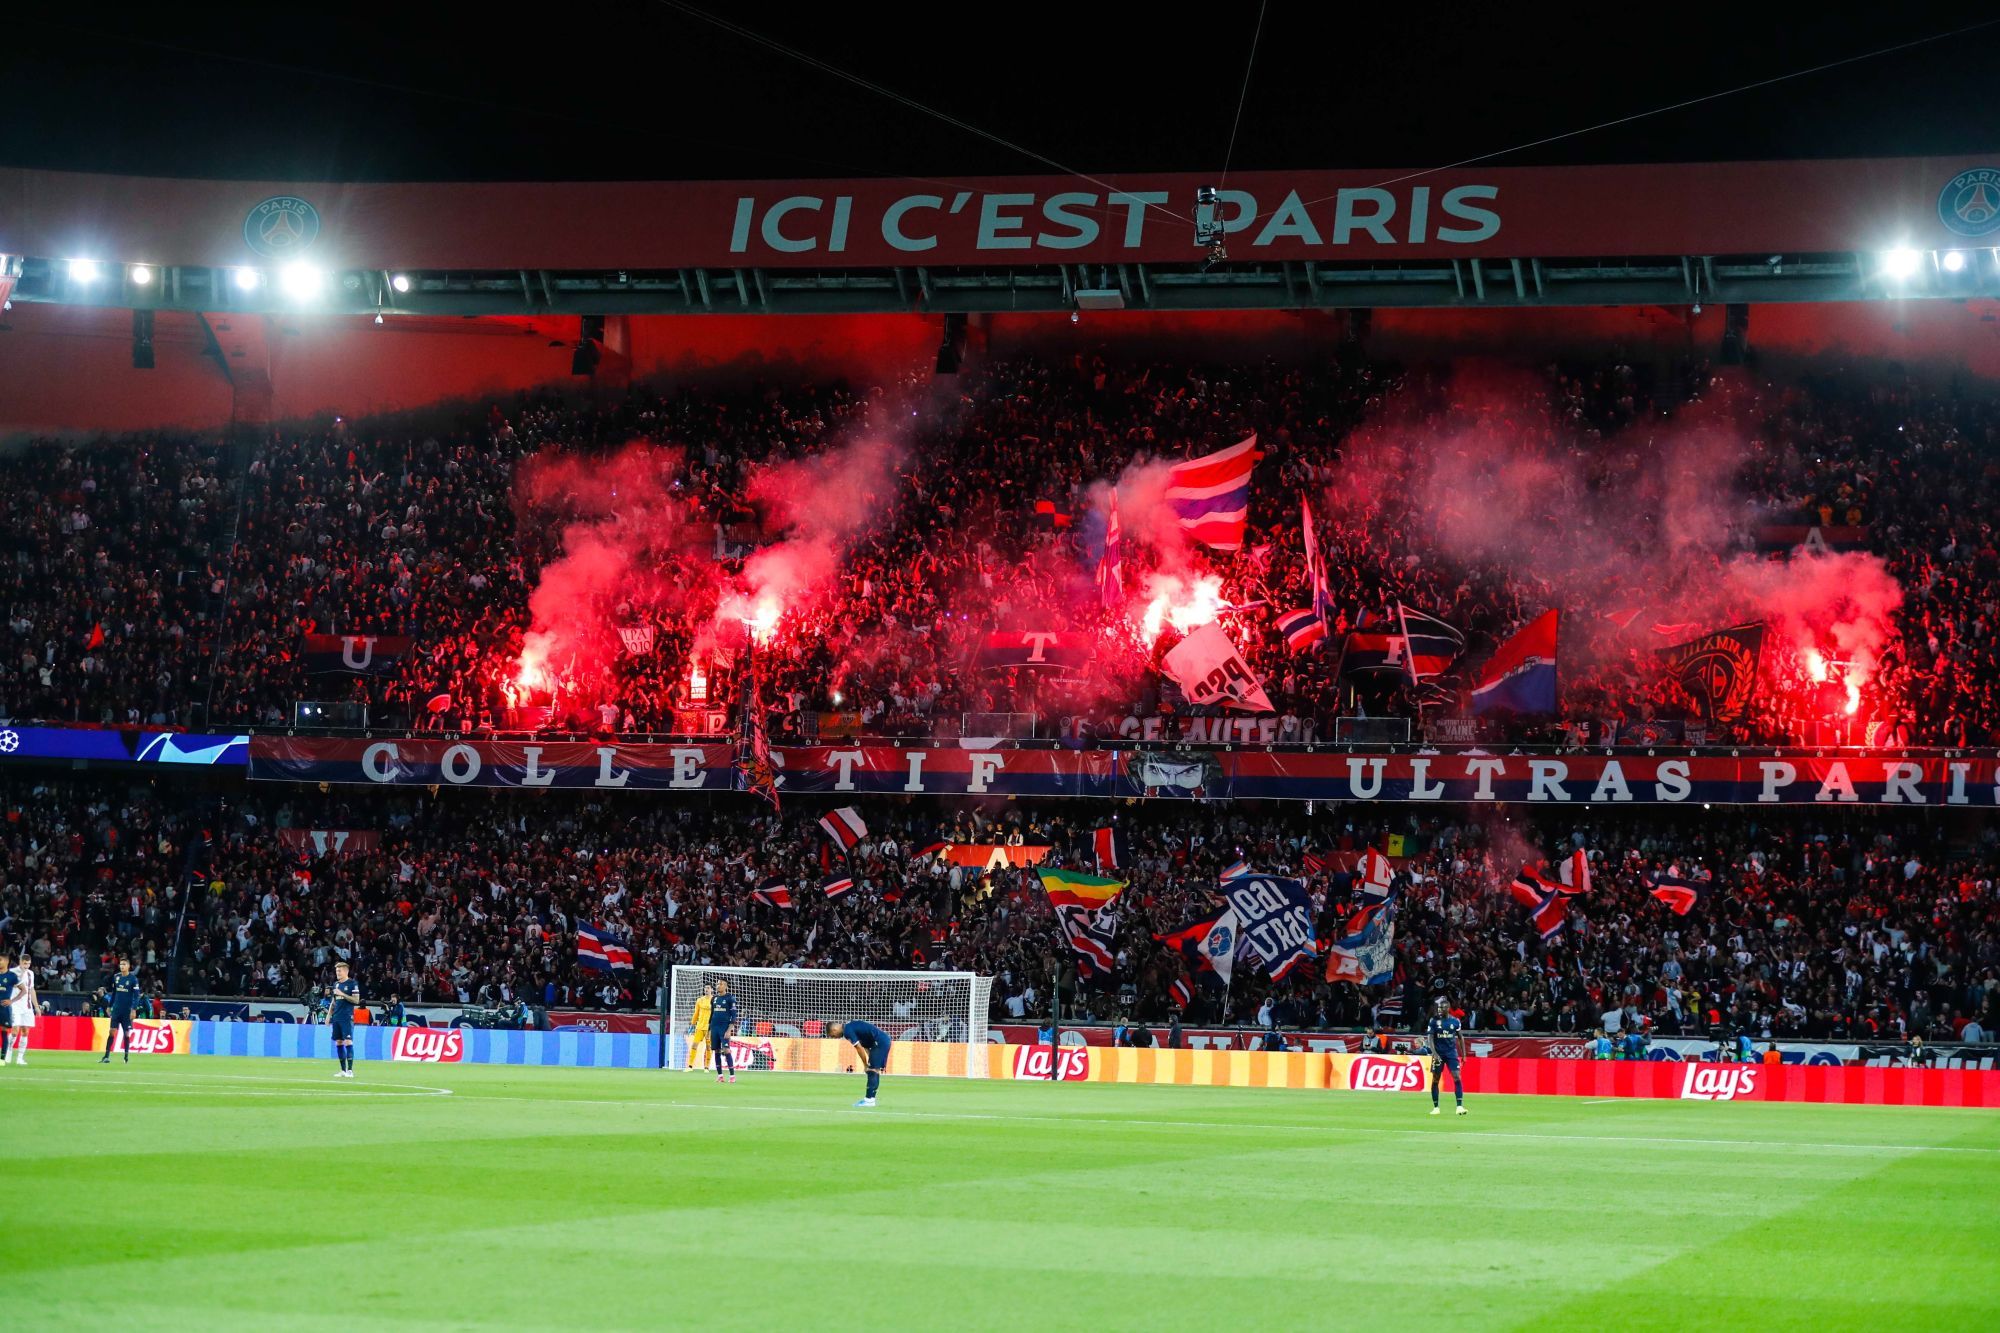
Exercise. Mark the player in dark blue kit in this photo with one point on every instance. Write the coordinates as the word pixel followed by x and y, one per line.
pixel 8 980
pixel 722 1022
pixel 124 996
pixel 346 995
pixel 1443 1032
pixel 872 1045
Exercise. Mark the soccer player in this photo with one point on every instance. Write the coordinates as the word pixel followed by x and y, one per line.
pixel 698 1050
pixel 1443 1032
pixel 721 1022
pixel 23 1018
pixel 872 1045
pixel 346 995
pixel 8 980
pixel 124 995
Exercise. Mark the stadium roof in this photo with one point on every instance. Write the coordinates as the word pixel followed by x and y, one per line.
pixel 199 117
pixel 1468 236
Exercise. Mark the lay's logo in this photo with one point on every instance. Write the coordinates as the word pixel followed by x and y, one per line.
pixel 1072 1063
pixel 1383 1073
pixel 1718 1083
pixel 432 1045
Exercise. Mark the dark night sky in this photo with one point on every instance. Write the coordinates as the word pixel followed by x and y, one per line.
pixel 634 90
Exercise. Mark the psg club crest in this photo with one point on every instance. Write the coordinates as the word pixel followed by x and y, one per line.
pixel 281 226
pixel 1969 204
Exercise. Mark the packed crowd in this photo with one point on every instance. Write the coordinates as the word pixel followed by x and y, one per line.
pixel 111 573
pixel 126 601
pixel 1827 924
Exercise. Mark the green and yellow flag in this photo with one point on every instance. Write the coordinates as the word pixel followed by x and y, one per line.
pixel 1073 888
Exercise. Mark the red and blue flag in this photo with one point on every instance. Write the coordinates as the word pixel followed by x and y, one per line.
pixel 602 949
pixel 1210 495
pixel 1521 675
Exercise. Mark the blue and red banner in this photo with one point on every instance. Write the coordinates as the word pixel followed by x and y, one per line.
pixel 891 768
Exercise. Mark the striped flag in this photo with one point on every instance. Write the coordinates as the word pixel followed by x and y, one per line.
pixel 773 892
pixel 1680 895
pixel 1210 495
pixel 1109 844
pixel 1574 873
pixel 844 826
pixel 1073 888
pixel 1549 917
pixel 1180 992
pixel 835 885
pixel 1302 628
pixel 1234 870
pixel 601 949
pixel 1430 645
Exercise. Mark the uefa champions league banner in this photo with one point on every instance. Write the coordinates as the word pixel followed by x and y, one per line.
pixel 886 768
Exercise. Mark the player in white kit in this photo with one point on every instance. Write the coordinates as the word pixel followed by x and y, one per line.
pixel 23 1017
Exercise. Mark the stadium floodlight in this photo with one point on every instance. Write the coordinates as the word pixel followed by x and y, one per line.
pixel 142 274
pixel 1901 263
pixel 300 280
pixel 1954 261
pixel 401 282
pixel 248 279
pixel 83 270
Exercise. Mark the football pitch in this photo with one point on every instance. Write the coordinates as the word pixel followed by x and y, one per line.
pixel 219 1193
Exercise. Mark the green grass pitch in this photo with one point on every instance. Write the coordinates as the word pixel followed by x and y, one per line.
pixel 215 1193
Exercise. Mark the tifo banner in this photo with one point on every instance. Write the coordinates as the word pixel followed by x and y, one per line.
pixel 885 768
pixel 1265 216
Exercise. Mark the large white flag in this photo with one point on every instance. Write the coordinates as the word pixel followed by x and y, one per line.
pixel 1210 670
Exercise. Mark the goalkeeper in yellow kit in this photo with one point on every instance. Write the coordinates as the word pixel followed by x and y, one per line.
pixel 699 1053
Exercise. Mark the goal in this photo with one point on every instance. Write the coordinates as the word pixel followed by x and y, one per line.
pixel 787 1017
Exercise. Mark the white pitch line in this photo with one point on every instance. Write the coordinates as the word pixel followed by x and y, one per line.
pixel 1603 1101
pixel 113 1080
pixel 1871 1148
pixel 171 1090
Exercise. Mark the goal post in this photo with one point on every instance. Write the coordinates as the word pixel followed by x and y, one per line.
pixel 786 1017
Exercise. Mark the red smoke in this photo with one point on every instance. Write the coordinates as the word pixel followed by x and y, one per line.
pixel 623 526
pixel 1482 465
pixel 817 508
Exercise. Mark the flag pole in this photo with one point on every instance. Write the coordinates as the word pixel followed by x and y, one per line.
pixel 1055 1021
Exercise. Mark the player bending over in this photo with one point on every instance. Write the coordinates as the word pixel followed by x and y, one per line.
pixel 872 1045
pixel 698 1049
pixel 346 995
pixel 23 1019
pixel 1443 1031
pixel 124 993
pixel 721 1022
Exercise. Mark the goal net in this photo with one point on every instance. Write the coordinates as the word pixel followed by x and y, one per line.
pixel 788 1018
